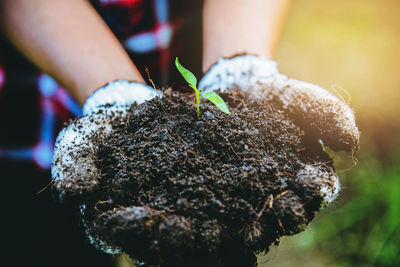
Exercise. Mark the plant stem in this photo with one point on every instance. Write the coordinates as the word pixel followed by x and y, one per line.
pixel 198 103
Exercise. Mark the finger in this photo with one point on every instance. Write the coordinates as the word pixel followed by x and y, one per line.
pixel 318 185
pixel 144 233
pixel 290 213
pixel 94 239
pixel 316 111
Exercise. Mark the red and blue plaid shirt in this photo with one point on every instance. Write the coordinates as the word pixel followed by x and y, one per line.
pixel 34 108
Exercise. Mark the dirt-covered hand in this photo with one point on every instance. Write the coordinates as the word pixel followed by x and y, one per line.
pixel 320 114
pixel 168 187
pixel 74 173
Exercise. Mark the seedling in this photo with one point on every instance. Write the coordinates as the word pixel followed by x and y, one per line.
pixel 211 96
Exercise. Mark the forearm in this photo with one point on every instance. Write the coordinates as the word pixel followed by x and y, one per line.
pixel 68 40
pixel 241 26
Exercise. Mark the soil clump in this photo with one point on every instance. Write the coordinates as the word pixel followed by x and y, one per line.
pixel 177 190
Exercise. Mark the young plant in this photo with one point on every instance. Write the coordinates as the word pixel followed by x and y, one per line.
pixel 211 96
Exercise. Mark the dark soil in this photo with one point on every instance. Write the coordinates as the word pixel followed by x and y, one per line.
pixel 178 190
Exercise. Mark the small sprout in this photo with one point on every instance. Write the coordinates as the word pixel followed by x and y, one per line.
pixel 211 96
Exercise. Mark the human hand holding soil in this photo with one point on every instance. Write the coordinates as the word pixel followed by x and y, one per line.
pixel 319 113
pixel 168 188
pixel 74 171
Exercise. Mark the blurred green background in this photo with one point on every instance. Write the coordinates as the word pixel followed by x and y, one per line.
pixel 352 49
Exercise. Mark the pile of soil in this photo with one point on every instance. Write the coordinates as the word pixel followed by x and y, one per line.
pixel 177 190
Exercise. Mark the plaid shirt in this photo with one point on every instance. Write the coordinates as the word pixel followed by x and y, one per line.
pixel 34 108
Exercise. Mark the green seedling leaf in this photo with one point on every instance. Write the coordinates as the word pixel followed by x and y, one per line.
pixel 217 101
pixel 188 75
pixel 211 96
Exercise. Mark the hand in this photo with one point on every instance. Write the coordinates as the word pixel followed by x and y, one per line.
pixel 319 113
pixel 322 116
pixel 74 172
pixel 287 209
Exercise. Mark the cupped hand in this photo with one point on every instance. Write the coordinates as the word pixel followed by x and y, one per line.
pixel 74 173
pixel 319 113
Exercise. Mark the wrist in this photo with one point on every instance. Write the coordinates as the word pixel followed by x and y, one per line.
pixel 83 86
pixel 118 95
